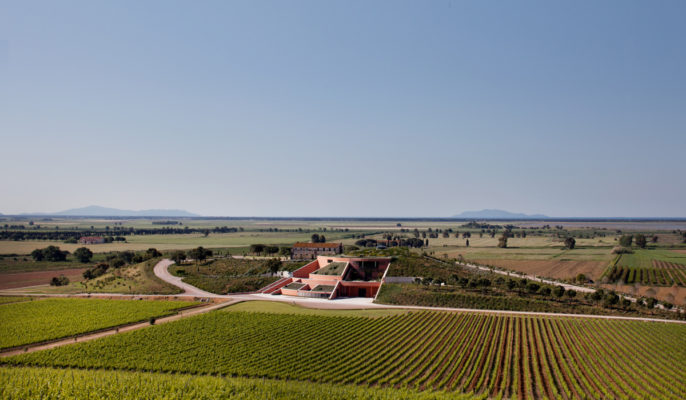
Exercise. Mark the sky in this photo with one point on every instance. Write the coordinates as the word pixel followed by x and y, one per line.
pixel 344 108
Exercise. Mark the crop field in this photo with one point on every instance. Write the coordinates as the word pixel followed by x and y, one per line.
pixel 12 299
pixel 40 383
pixel 469 353
pixel 557 269
pixel 648 267
pixel 41 320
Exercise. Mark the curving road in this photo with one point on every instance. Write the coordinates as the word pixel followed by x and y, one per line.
pixel 162 272
pixel 360 303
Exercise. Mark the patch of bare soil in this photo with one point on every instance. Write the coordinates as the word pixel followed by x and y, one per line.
pixel 551 268
pixel 674 294
pixel 23 279
pixel 680 251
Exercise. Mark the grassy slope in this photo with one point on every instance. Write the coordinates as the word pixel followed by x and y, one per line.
pixel 131 279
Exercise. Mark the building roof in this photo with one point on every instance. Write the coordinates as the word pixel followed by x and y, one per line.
pixel 334 268
pixel 318 245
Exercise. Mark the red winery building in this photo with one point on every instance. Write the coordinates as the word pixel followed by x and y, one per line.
pixel 330 277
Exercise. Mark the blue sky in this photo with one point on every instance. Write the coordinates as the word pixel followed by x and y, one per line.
pixel 355 108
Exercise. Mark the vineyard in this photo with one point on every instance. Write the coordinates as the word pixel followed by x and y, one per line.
pixel 8 300
pixel 470 353
pixel 41 320
pixel 645 271
pixel 48 383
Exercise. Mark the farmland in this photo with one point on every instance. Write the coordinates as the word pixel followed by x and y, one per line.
pixel 41 320
pixel 648 267
pixel 39 383
pixel 488 355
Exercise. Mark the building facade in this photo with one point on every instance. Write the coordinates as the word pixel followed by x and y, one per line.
pixel 92 240
pixel 309 251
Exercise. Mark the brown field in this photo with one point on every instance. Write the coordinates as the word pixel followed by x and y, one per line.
pixel 551 268
pixel 674 294
pixel 23 279
pixel 681 251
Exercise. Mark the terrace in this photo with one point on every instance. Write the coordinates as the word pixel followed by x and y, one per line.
pixel 323 288
pixel 334 268
pixel 295 285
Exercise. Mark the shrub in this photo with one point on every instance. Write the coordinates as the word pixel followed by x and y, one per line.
pixel 59 281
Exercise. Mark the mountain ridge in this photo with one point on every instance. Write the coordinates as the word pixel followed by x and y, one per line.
pixel 98 211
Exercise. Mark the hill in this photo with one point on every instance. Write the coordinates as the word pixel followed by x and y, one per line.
pixel 497 214
pixel 97 211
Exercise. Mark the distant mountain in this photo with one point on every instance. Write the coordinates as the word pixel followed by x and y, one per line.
pixel 497 214
pixel 97 211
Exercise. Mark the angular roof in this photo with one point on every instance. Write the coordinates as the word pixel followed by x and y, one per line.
pixel 318 245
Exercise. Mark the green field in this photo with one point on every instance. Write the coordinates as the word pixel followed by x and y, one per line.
pixel 656 267
pixel 41 320
pixel 12 299
pixel 40 383
pixel 487 355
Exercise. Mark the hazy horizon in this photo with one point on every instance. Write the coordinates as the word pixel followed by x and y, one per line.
pixel 339 109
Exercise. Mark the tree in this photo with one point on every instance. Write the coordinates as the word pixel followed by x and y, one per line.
pixel 271 249
pixel 545 291
pixel 199 254
pixel 38 255
pixel 179 256
pixel 59 281
pixel 651 302
pixel 654 239
pixel 641 241
pixel 559 291
pixel 581 278
pixel 570 242
pixel 152 253
pixel 286 251
pixel 502 241
pixel 625 240
pixel 571 293
pixel 610 299
pixel 511 284
pixel 316 238
pixel 533 287
pixel 83 254
pixel 274 264
pixel 53 253
pixel 256 248
pixel 467 243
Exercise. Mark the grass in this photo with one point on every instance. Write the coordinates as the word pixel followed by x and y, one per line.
pixel 287 308
pixel 334 268
pixel 323 288
pixel 40 320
